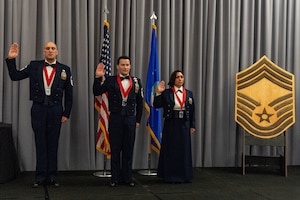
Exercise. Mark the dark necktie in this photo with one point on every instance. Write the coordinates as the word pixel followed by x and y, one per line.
pixel 179 91
pixel 51 65
pixel 124 77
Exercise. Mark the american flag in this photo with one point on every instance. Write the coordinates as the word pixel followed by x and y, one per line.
pixel 101 101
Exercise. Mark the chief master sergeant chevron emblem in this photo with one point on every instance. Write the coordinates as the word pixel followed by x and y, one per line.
pixel 264 99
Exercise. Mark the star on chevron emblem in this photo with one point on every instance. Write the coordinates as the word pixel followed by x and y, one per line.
pixel 264 116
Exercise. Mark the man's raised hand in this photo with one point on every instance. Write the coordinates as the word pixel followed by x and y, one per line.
pixel 100 71
pixel 13 51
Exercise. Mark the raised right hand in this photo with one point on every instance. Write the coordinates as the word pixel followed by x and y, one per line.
pixel 161 87
pixel 100 71
pixel 13 51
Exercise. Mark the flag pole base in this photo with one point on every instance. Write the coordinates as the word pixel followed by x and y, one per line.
pixel 148 172
pixel 102 174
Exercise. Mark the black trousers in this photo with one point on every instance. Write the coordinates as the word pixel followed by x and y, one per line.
pixel 46 124
pixel 121 136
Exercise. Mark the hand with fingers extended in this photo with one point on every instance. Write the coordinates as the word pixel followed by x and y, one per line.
pixel 161 87
pixel 100 71
pixel 13 51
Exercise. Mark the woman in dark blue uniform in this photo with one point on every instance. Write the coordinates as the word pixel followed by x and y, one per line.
pixel 175 160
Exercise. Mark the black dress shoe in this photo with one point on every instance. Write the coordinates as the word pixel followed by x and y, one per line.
pixel 131 184
pixel 113 184
pixel 54 184
pixel 37 184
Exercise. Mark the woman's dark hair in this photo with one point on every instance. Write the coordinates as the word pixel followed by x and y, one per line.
pixel 173 77
pixel 123 57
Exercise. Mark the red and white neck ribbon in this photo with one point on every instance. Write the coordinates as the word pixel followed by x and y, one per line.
pixel 124 93
pixel 181 103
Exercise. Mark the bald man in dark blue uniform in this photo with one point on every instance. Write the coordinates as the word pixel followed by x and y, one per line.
pixel 125 99
pixel 50 83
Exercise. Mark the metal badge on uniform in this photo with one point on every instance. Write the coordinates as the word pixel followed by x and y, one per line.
pixel 190 101
pixel 71 81
pixel 63 75
pixel 124 103
pixel 48 91
pixel 180 114
pixel 142 92
pixel 137 87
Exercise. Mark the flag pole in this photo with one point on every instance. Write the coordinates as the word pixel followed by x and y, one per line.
pixel 104 173
pixel 149 172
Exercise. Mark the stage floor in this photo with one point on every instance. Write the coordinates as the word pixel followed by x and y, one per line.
pixel 259 183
